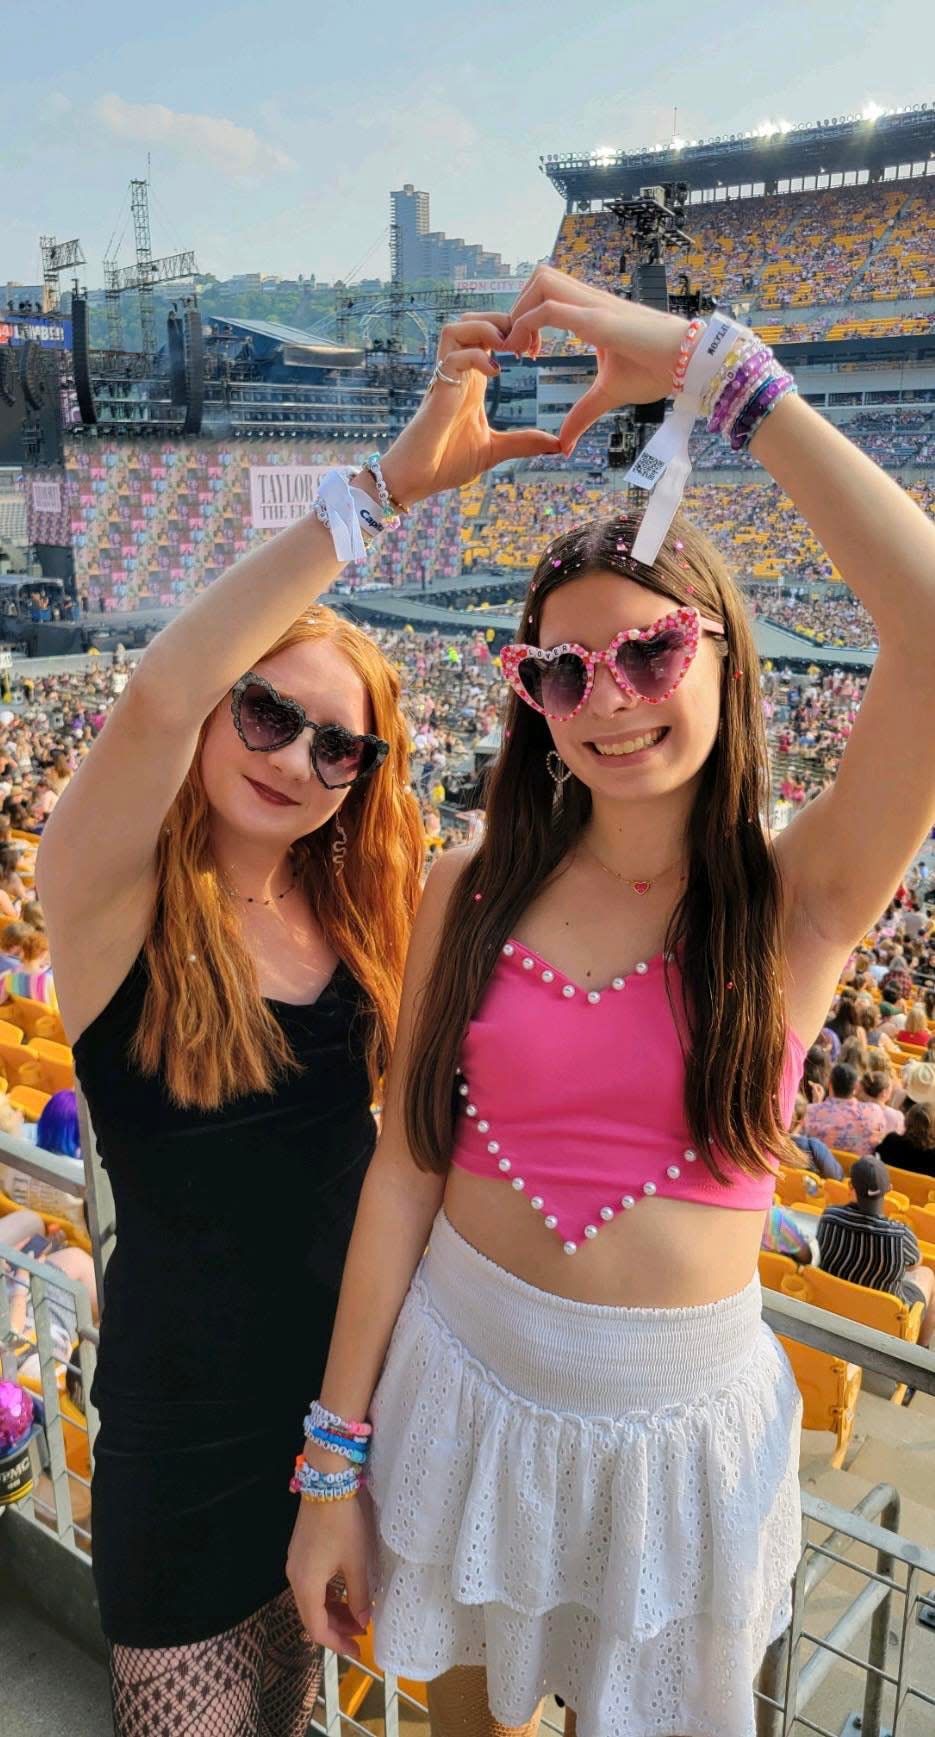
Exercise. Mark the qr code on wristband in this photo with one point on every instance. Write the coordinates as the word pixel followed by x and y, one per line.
pixel 647 469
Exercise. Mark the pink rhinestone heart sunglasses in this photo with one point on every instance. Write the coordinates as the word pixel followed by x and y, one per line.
pixel 647 663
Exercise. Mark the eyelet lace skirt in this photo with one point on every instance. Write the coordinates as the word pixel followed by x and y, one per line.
pixel 596 1502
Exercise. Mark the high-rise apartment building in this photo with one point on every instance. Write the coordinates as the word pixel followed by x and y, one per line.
pixel 416 251
pixel 410 221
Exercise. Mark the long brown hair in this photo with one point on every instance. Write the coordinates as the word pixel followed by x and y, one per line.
pixel 726 927
pixel 205 1027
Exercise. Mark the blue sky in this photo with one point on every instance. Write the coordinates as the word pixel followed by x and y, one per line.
pixel 276 130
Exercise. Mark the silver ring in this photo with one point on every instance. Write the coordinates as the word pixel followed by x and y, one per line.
pixel 438 373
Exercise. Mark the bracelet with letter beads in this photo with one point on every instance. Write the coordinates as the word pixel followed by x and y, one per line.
pixel 383 494
pixel 340 1445
pixel 739 390
pixel 319 1414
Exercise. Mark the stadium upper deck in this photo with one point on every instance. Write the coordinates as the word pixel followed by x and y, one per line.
pixel 770 159
pixel 830 221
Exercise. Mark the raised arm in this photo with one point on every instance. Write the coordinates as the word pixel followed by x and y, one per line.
pixel 843 855
pixel 95 869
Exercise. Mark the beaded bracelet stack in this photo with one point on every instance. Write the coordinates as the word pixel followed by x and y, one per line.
pixel 350 1439
pixel 390 509
pixel 747 385
pixel 346 504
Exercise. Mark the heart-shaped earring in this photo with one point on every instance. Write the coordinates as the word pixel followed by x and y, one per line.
pixel 556 768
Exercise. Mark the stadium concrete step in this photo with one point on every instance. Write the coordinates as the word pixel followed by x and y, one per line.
pixel 51 1687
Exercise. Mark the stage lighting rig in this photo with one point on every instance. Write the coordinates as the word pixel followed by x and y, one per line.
pixel 652 225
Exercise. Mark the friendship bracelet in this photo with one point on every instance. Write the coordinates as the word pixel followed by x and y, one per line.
pixel 390 514
pixel 340 1445
pixel 319 1414
pixel 686 348
pixel 776 389
pixel 733 403
pixel 315 1486
pixel 736 389
pixel 736 422
pixel 744 346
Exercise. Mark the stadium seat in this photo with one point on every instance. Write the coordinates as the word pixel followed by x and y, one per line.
pixel 879 1309
pixel 10 1033
pixel 919 1190
pixel 55 1063
pixel 829 1386
pixel 18 1065
pixel 35 1018
pixel 793 1186
pixel 31 1101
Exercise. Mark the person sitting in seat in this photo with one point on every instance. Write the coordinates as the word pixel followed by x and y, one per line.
pixel 782 1235
pixel 916 1028
pixel 859 1243
pixel 819 1156
pixel 915 1148
pixel 843 1120
pixel 876 1087
pixel 25 1230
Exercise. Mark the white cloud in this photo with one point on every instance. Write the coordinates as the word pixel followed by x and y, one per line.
pixel 234 150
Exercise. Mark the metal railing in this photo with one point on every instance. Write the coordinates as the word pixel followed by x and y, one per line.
pixel 50 1502
pixel 894 1605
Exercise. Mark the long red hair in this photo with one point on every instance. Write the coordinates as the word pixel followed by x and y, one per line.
pixel 205 1027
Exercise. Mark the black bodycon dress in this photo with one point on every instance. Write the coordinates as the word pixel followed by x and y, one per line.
pixel 219 1301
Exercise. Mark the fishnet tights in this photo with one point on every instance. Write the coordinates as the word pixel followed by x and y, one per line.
pixel 458 1708
pixel 260 1679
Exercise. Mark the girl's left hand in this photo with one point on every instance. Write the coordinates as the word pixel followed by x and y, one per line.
pixel 449 441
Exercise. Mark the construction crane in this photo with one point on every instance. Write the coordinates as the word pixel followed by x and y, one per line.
pixel 57 256
pixel 141 276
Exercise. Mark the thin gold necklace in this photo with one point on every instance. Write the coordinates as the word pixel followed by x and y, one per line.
pixel 641 886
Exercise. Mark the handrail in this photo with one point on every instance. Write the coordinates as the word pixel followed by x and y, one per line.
pixel 897 1359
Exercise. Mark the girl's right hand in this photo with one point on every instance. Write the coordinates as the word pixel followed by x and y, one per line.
pixel 449 441
pixel 333 1541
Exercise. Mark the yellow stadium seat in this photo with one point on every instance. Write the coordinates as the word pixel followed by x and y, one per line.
pixel 919 1190
pixel 879 1309
pixel 30 1101
pixel 829 1386
pixel 845 1159
pixel 18 1065
pixel 10 1033
pixel 921 1219
pixel 35 1018
pixel 793 1186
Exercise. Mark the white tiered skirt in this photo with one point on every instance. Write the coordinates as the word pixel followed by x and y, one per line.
pixel 596 1502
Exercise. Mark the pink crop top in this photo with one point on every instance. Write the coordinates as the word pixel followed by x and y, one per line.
pixel 548 1107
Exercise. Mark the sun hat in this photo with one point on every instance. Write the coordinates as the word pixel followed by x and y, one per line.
pixel 918 1082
